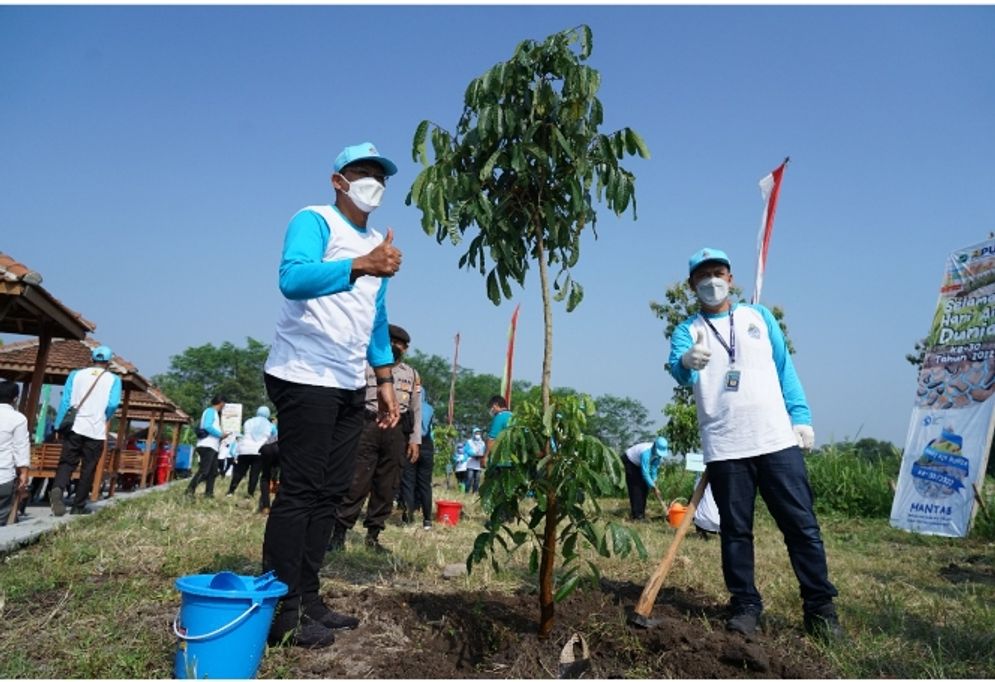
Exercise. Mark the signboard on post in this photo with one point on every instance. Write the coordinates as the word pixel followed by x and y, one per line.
pixel 231 418
pixel 950 432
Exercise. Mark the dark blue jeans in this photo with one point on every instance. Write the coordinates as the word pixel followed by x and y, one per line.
pixel 782 480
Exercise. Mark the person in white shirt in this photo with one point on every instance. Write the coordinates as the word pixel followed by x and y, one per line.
pixel 209 437
pixel 95 392
pixel 255 432
pixel 15 450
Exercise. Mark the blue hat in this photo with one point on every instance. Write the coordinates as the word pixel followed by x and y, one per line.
pixel 101 354
pixel 263 412
pixel 477 429
pixel 706 255
pixel 363 152
pixel 660 444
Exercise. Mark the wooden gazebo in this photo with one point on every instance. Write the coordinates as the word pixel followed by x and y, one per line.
pixel 20 360
pixel 151 406
pixel 28 309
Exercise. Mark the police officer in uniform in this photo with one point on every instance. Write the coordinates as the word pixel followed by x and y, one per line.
pixel 382 452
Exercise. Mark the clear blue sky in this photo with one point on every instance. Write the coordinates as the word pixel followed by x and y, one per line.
pixel 152 156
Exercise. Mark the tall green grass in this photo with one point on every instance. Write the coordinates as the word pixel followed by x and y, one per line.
pixel 850 481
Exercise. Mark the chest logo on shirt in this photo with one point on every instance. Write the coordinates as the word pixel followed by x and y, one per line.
pixel 754 331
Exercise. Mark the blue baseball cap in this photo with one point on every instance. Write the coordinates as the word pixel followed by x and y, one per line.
pixel 363 152
pixel 707 255
pixel 660 444
pixel 101 354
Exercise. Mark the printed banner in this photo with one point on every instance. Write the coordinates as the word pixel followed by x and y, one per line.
pixel 950 432
pixel 231 418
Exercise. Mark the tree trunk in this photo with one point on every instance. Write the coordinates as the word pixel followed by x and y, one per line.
pixel 546 606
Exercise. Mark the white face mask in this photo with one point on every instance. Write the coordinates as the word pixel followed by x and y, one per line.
pixel 366 193
pixel 713 291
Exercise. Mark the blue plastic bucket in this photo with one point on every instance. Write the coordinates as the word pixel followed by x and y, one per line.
pixel 223 622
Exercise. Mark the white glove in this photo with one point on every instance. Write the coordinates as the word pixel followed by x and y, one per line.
pixel 805 435
pixel 699 355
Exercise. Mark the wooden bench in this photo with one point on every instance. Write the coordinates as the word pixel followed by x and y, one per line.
pixel 134 462
pixel 45 464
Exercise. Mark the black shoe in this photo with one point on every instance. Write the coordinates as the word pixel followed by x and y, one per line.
pixel 337 543
pixel 80 511
pixel 639 517
pixel 373 543
pixel 745 620
pixel 405 517
pixel 309 634
pixel 333 620
pixel 824 625
pixel 426 524
pixel 55 499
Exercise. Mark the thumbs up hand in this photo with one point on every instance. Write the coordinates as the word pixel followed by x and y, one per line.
pixel 698 355
pixel 382 261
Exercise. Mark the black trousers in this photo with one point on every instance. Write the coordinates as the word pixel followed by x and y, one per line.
pixel 269 468
pixel 207 471
pixel 250 464
pixel 75 448
pixel 377 473
pixel 638 490
pixel 416 481
pixel 7 491
pixel 319 432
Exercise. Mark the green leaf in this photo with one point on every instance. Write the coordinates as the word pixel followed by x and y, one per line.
pixel 634 140
pixel 566 588
pixel 576 296
pixel 492 288
pixel 534 560
pixel 418 144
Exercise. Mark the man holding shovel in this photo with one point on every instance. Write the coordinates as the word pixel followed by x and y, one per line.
pixel 754 422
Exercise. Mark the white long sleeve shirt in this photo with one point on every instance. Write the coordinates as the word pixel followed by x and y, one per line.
pixel 15 447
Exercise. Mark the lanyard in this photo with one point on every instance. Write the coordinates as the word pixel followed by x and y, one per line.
pixel 731 346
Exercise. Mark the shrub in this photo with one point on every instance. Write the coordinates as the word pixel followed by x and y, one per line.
pixel 853 481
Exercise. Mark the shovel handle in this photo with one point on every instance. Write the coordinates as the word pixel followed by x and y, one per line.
pixel 645 604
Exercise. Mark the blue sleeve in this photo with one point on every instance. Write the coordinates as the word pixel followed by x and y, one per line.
pixel 791 385
pixel 114 399
pixel 680 343
pixel 211 422
pixel 649 471
pixel 67 393
pixel 379 353
pixel 303 275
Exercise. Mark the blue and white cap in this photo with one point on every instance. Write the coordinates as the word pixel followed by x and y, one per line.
pixel 101 354
pixel 363 152
pixel 707 255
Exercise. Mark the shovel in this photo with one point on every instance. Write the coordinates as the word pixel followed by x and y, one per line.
pixel 640 615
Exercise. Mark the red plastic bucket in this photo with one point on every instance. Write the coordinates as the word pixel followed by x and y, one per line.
pixel 447 512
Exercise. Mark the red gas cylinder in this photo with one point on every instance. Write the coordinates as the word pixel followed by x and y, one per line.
pixel 163 467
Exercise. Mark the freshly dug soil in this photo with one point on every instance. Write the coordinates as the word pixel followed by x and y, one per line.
pixel 487 635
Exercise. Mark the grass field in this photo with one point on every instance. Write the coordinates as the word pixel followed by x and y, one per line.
pixel 96 598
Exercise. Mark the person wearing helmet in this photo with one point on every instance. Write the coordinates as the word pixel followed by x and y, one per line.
pixel 255 432
pixel 642 465
pixel 89 399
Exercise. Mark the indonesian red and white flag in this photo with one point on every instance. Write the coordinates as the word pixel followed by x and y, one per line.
pixel 509 358
pixel 770 189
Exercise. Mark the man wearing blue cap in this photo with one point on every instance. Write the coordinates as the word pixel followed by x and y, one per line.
pixel 642 466
pixel 333 277
pixel 754 422
pixel 93 393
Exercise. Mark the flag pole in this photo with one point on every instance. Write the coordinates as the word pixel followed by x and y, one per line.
pixel 770 190
pixel 452 381
pixel 509 358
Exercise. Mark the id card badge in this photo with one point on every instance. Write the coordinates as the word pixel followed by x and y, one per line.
pixel 732 380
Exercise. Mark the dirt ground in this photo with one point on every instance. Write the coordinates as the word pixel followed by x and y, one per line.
pixel 488 635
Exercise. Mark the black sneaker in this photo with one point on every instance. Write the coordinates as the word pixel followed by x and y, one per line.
pixel 80 511
pixel 333 620
pixel 745 620
pixel 824 625
pixel 55 499
pixel 373 544
pixel 426 524
pixel 337 542
pixel 309 635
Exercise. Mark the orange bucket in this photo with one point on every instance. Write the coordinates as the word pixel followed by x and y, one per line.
pixel 447 512
pixel 675 513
